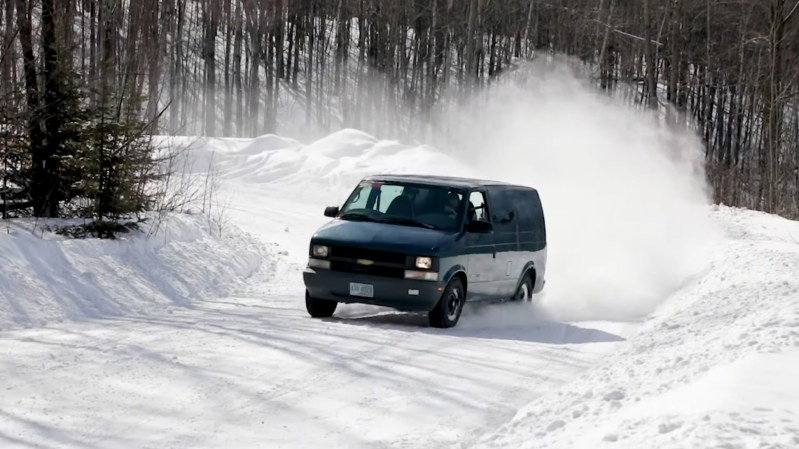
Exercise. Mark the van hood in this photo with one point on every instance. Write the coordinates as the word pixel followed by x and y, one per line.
pixel 383 236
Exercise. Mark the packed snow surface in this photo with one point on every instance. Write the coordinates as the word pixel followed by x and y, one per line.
pixel 205 342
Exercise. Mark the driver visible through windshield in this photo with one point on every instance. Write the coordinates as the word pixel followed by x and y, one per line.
pixel 419 205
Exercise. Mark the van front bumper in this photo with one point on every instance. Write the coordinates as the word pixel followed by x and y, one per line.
pixel 408 295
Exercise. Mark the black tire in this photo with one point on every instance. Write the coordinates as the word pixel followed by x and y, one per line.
pixel 319 308
pixel 525 290
pixel 448 310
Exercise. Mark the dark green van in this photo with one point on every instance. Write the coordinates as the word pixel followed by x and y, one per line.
pixel 428 243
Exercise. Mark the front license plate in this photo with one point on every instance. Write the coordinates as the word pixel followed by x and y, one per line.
pixel 364 290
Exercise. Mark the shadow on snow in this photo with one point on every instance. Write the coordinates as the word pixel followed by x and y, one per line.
pixel 504 321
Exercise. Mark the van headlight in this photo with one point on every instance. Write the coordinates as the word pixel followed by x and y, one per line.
pixel 424 263
pixel 320 251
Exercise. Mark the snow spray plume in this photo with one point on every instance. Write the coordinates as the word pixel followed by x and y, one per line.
pixel 624 193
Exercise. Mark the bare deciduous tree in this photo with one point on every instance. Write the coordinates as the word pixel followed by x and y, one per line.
pixel 249 67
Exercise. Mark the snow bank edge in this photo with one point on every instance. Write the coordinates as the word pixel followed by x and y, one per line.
pixel 47 279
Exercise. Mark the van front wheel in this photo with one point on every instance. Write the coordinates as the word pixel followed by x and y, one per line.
pixel 448 310
pixel 319 308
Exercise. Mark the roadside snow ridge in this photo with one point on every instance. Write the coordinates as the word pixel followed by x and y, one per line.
pixel 715 366
pixel 46 278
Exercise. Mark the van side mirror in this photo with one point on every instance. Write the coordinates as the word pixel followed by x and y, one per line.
pixel 331 211
pixel 479 227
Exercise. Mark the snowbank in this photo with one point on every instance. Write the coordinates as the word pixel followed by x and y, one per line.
pixel 46 278
pixel 715 366
pixel 328 166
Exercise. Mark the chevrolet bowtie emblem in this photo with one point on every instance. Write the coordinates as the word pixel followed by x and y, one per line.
pixel 365 262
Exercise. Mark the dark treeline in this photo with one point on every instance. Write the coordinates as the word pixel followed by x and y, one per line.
pixel 68 147
pixel 249 67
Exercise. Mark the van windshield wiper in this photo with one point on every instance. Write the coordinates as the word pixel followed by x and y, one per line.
pixel 358 216
pixel 407 221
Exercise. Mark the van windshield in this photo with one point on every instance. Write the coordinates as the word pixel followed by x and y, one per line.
pixel 434 207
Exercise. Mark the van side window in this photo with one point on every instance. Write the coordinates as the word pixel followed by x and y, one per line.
pixel 503 208
pixel 526 206
pixel 360 197
pixel 477 207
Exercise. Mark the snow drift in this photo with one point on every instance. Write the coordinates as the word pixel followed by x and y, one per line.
pixel 46 278
pixel 713 367
pixel 323 170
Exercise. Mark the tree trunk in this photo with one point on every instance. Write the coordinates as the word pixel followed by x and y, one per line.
pixel 210 30
pixel 651 83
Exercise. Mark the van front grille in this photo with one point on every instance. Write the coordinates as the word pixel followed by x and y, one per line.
pixel 367 261
pixel 353 253
pixel 371 270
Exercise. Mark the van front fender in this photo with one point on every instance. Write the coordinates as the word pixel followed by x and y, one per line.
pixel 455 269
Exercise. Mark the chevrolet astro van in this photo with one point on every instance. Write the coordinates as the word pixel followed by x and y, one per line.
pixel 428 244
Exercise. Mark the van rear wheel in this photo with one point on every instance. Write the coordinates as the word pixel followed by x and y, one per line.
pixel 525 290
pixel 319 308
pixel 448 310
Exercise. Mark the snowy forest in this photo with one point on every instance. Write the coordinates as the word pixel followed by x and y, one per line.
pixel 84 83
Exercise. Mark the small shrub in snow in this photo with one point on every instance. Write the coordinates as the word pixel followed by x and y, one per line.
pixel 98 229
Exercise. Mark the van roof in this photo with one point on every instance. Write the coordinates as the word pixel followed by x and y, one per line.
pixel 447 181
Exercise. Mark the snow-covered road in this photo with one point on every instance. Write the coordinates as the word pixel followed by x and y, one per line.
pixel 254 371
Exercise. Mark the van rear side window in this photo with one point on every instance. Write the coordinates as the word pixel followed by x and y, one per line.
pixel 503 208
pixel 525 207
pixel 530 213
